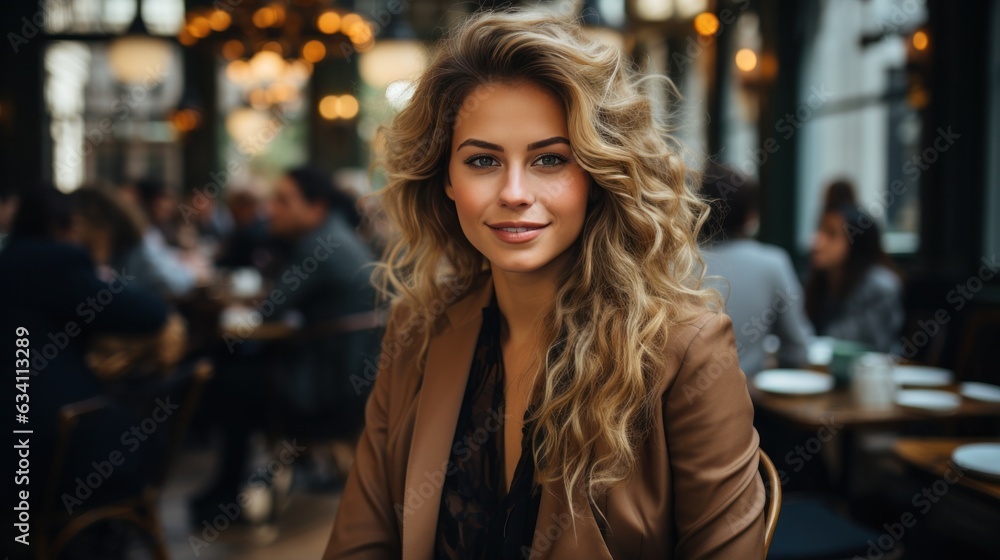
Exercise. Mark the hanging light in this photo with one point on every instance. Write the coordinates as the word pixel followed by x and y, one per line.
pixel 137 55
pixel 266 66
pixel 391 60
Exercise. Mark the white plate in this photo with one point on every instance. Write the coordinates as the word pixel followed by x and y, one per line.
pixel 979 458
pixel 928 400
pixel 793 381
pixel 921 376
pixel 980 391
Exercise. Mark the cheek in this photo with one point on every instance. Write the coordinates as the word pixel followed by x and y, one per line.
pixel 568 200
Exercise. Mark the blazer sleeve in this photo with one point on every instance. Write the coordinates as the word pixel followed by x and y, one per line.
pixel 366 527
pixel 719 498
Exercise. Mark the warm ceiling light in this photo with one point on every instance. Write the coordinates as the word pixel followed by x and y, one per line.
pixel 746 59
pixel 219 20
pixel 185 120
pixel 920 40
pixel 272 46
pixel 238 71
pixel 265 17
pixel 267 66
pixel 233 49
pixel 338 107
pixel 186 38
pixel 360 32
pixel 347 106
pixel 328 107
pixel 313 51
pixel 279 13
pixel 391 60
pixel 199 27
pixel 328 22
pixel 706 24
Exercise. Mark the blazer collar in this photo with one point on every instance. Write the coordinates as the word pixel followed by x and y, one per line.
pixel 446 373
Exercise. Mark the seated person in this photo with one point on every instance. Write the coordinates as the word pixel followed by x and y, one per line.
pixel 49 288
pixel 310 379
pixel 854 291
pixel 764 294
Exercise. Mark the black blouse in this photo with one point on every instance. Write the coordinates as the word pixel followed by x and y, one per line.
pixel 477 520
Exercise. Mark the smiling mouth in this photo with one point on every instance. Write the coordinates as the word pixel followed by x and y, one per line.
pixel 515 227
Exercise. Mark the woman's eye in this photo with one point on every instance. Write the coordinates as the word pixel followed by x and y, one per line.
pixel 480 161
pixel 551 160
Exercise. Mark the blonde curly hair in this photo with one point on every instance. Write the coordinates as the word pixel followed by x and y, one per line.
pixel 635 270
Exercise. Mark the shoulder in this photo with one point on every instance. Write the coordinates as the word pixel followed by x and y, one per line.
pixel 706 339
pixel 703 367
pixel 46 254
pixel 881 280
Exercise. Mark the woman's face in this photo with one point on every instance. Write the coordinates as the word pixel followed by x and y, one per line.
pixel 521 197
pixel 830 244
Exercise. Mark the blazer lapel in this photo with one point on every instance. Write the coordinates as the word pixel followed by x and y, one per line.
pixel 449 357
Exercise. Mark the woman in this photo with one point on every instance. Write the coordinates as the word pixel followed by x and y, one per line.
pixel 854 292
pixel 548 255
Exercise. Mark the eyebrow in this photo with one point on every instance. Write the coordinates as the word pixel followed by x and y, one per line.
pixel 499 148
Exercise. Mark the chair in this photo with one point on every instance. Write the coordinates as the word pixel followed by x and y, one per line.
pixel 774 502
pixel 813 529
pixel 140 509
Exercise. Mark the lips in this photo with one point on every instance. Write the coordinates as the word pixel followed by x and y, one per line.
pixel 517 232
pixel 517 227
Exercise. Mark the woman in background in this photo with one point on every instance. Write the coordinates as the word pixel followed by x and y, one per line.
pixel 854 291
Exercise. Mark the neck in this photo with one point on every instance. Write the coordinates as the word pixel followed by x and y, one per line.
pixel 523 296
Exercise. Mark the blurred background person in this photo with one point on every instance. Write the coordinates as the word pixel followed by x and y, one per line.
pixel 174 273
pixel 49 286
pixel 249 243
pixel 109 230
pixel 840 192
pixel 325 316
pixel 854 291
pixel 763 294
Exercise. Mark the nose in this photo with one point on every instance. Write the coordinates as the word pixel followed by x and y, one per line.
pixel 515 191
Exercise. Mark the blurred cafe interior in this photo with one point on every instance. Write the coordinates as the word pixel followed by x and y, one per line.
pixel 168 163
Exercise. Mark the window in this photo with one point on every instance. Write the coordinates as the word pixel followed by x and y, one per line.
pixel 865 124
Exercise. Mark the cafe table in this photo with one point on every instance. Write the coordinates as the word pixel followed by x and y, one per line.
pixel 838 407
pixel 815 411
pixel 933 456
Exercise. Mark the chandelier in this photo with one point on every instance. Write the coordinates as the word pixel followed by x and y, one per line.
pixel 271 46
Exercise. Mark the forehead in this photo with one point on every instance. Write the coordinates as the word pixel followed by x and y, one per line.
pixel 510 114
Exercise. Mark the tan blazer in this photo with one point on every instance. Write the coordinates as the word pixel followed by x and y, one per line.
pixel 697 493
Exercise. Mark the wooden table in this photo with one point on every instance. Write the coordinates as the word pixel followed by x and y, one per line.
pixel 815 411
pixel 839 409
pixel 933 455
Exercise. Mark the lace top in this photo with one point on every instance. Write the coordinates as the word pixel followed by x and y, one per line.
pixel 477 520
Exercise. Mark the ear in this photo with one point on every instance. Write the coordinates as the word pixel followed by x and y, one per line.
pixel 449 191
